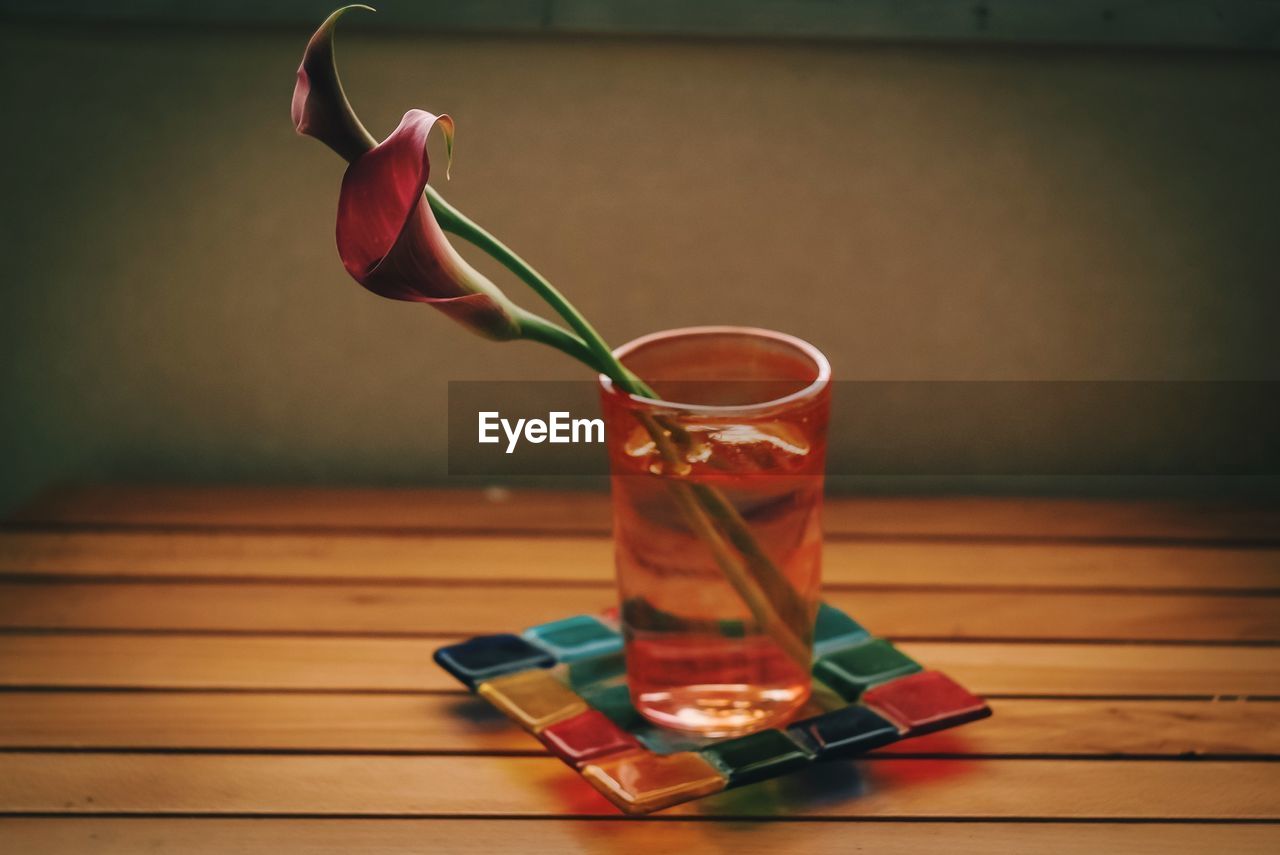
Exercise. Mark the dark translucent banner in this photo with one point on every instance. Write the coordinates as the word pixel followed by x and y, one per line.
pixel 918 429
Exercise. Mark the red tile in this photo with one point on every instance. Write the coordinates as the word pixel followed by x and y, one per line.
pixel 586 737
pixel 925 702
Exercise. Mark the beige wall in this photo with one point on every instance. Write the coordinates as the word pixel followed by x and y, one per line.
pixel 174 309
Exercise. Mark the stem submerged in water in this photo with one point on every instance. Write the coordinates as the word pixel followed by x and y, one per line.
pixel 766 592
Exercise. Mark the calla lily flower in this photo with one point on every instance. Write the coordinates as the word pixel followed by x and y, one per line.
pixel 320 108
pixel 388 238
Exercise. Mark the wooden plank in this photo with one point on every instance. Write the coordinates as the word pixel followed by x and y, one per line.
pixel 269 836
pixel 39 782
pixel 163 554
pixel 469 609
pixel 542 511
pixel 460 723
pixel 395 664
pixel 1076 727
pixel 323 508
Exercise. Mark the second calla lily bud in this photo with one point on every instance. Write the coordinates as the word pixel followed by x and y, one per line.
pixel 388 239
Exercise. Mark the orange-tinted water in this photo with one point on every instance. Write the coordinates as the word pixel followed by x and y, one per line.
pixel 696 658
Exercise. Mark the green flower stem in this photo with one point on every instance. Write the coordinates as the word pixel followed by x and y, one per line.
pixel 540 329
pixel 453 220
pixel 763 588
pixel 783 597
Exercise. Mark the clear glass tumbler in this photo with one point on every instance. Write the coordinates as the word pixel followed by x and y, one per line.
pixel 717 499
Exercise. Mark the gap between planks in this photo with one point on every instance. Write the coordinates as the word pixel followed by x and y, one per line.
pixel 555 836
pixel 404 665
pixel 880 787
pixel 469 558
pixel 459 609
pixel 282 508
pixel 268 836
pixel 462 724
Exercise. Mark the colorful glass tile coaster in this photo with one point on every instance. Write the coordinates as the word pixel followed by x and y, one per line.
pixel 534 699
pixel 488 656
pixel 756 756
pixel 925 702
pixel 644 782
pixel 565 682
pixel 586 737
pixel 846 731
pixel 576 638
pixel 853 670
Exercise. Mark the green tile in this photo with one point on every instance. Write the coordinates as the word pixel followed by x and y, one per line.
pixel 834 629
pixel 853 670
pixel 756 756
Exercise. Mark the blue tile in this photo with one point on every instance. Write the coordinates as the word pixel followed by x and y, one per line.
pixel 487 656
pixel 576 638
pixel 851 730
pixel 834 629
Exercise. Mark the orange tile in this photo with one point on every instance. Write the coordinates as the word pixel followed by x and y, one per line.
pixel 642 782
pixel 534 699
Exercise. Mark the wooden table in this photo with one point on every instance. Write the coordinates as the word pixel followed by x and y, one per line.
pixel 249 671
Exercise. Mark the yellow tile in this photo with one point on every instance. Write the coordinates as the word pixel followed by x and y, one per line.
pixel 534 698
pixel 642 782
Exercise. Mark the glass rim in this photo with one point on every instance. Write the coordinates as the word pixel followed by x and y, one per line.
pixel 811 390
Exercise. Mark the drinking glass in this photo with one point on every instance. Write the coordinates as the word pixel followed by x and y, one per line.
pixel 717 500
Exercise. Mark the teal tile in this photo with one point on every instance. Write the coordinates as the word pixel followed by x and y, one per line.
pixel 853 670
pixel 755 757
pixel 615 702
pixel 587 674
pixel 576 638
pixel 834 629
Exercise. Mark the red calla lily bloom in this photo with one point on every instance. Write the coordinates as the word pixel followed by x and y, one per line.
pixel 388 239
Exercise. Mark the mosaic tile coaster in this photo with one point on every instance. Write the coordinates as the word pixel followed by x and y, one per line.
pixel 565 683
